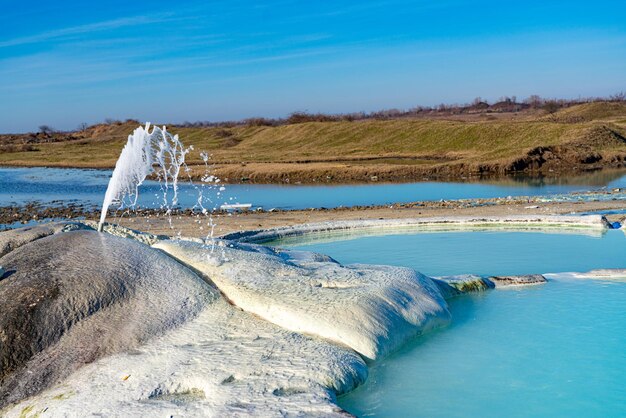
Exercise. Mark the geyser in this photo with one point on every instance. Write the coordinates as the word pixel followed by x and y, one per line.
pixel 145 153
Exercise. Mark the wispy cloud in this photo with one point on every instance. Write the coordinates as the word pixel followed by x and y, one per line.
pixel 237 57
pixel 106 25
pixel 75 72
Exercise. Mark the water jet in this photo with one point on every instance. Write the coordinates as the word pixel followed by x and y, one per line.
pixel 146 152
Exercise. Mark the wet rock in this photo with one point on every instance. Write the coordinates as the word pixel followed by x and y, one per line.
pixel 607 273
pixel 71 298
pixel 451 286
pixel 598 274
pixel 356 226
pixel 122 231
pixel 523 280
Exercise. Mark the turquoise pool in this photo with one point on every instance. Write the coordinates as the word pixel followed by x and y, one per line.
pixel 554 350
pixel 493 252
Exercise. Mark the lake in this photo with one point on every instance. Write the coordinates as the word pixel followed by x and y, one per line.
pixel 85 186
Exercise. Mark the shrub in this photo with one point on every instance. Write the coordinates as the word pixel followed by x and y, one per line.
pixel 46 130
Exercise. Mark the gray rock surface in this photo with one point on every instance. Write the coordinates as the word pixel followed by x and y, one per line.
pixel 523 280
pixel 122 231
pixel 68 299
pixel 15 238
pixel 451 286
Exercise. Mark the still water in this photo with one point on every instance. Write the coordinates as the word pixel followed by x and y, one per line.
pixel 483 253
pixel 84 186
pixel 553 350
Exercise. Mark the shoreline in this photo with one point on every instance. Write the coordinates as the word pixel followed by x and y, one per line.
pixel 336 173
pixel 195 225
pixel 226 224
pixel 297 233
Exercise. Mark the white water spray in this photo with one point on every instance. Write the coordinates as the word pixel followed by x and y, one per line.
pixel 145 153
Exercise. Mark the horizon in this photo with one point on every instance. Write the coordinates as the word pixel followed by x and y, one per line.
pixel 150 61
pixel 380 114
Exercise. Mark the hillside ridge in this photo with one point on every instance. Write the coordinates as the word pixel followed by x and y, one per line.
pixel 583 137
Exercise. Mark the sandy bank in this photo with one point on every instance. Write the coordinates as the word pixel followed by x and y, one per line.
pixel 226 224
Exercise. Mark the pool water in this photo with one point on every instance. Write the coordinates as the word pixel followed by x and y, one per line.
pixel 553 350
pixel 483 253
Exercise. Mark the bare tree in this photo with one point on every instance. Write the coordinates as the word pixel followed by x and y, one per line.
pixel 618 97
pixel 534 101
pixel 45 129
pixel 83 126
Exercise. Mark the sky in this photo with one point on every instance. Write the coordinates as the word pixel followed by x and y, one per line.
pixel 63 63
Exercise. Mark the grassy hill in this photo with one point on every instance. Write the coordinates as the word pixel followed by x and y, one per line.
pixel 591 111
pixel 586 136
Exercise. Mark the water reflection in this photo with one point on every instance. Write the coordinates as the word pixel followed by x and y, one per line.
pixel 84 186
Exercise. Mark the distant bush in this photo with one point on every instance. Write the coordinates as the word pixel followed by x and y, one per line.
pixel 259 122
pixel 303 117
pixel 46 130
pixel 618 97
pixel 505 104
pixel 551 106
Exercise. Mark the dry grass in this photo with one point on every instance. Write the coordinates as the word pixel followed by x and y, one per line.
pixel 592 111
pixel 365 148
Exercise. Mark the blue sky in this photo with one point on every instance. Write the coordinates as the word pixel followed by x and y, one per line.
pixel 67 62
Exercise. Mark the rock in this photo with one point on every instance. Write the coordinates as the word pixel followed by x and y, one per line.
pixel 372 309
pixel 590 223
pixel 599 274
pixel 222 363
pixel 71 298
pixel 524 280
pixel 608 273
pixel 15 238
pixel 122 231
pixel 451 286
